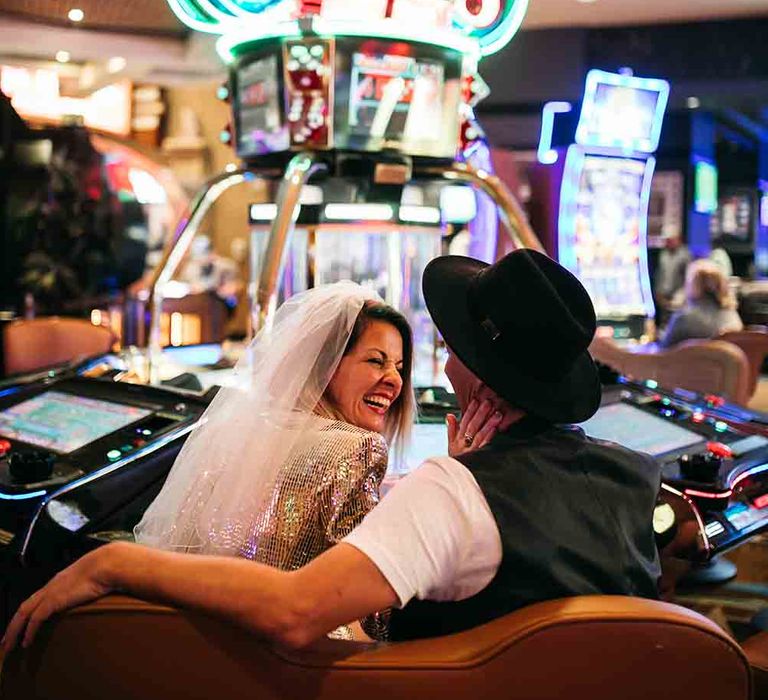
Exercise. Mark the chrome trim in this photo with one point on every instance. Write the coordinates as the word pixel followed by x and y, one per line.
pixel 298 172
pixel 511 211
pixel 108 469
pixel 175 251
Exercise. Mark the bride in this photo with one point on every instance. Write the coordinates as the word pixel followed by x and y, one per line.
pixel 289 460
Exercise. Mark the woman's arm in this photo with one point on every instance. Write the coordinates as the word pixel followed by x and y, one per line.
pixel 676 331
pixel 290 607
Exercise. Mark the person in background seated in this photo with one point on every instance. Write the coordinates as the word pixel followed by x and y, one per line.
pixel 710 307
pixel 669 280
pixel 540 512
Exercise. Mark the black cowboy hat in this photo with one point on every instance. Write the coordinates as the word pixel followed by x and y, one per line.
pixel 522 326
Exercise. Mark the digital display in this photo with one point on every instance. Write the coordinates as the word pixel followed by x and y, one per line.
pixel 621 111
pixel 65 422
pixel 638 430
pixel 607 248
pixel 388 97
pixel 259 124
pixel 741 516
pixel 734 220
pixel 394 97
pixel 427 440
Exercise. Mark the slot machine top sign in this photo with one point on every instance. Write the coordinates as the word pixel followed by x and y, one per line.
pixel 476 27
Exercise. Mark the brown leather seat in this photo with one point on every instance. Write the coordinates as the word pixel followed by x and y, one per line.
pixel 33 344
pixel 754 344
pixel 592 647
pixel 707 366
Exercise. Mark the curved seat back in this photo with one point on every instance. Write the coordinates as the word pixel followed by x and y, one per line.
pixel 754 344
pixel 591 647
pixel 707 366
pixel 32 344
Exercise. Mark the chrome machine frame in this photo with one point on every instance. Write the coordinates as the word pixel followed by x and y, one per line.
pixel 300 169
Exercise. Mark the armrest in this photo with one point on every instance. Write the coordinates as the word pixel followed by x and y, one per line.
pixel 604 646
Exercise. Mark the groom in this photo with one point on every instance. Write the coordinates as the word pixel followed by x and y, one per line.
pixel 540 512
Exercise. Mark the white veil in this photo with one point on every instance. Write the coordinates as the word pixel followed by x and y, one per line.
pixel 226 468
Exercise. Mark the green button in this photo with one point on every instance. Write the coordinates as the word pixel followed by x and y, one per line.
pixel 112 455
pixel 126 448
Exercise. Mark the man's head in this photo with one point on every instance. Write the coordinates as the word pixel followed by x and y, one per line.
pixel 521 328
pixel 673 241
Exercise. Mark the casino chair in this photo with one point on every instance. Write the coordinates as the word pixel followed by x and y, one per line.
pixel 591 647
pixel 754 344
pixel 706 366
pixel 32 344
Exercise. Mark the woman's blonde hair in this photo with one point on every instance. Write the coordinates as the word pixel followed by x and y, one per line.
pixel 705 280
pixel 400 417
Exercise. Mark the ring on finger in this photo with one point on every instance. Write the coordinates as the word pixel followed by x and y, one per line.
pixel 468 439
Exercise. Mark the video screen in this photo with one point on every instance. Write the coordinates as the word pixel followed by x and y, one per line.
pixel 259 124
pixel 607 250
pixel 387 99
pixel 65 422
pixel 620 111
pixel 735 218
pixel 638 430
pixel 427 440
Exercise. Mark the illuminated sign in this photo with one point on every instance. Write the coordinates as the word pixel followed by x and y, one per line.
pixel 489 25
pixel 35 95
pixel 705 187
pixel 621 111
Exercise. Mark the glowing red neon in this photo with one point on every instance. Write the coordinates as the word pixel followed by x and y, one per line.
pixel 719 449
pixel 761 501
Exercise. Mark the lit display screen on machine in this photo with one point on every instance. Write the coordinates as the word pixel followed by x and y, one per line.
pixel 64 422
pixel 638 430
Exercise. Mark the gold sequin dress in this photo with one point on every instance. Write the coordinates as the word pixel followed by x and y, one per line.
pixel 321 494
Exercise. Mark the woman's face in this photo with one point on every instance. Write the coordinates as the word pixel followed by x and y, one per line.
pixel 367 381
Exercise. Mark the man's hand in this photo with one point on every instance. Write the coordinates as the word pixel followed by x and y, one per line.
pixel 478 425
pixel 80 583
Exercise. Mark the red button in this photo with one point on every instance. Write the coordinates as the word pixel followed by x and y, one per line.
pixel 5 446
pixel 714 400
pixel 719 450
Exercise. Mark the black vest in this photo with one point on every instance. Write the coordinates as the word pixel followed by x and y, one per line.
pixel 575 518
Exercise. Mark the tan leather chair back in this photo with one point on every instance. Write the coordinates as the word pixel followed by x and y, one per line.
pixel 708 366
pixel 593 647
pixel 754 344
pixel 37 343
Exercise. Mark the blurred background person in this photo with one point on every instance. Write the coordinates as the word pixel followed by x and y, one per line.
pixel 669 281
pixel 710 308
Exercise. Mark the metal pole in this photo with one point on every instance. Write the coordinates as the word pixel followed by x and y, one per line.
pixel 174 253
pixel 299 170
pixel 510 210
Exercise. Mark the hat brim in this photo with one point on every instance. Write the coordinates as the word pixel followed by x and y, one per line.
pixel 571 398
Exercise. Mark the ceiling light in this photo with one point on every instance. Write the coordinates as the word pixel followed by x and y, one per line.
pixel 693 102
pixel 586 2
pixel 116 64
pixel 62 56
pixel 76 15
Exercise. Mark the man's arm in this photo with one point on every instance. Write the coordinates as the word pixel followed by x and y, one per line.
pixel 291 607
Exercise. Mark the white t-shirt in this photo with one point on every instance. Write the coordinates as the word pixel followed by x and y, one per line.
pixel 433 536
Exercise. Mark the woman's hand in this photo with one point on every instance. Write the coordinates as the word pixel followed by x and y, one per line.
pixel 478 425
pixel 83 581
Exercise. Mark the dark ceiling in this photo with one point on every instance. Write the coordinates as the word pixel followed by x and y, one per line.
pixel 152 17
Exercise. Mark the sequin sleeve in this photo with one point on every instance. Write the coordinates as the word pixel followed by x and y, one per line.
pixel 354 488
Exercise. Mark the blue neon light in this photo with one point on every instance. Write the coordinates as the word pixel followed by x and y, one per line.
pixel 546 154
pixel 21 496
pixel 566 230
pixel 622 112
pixel 645 275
